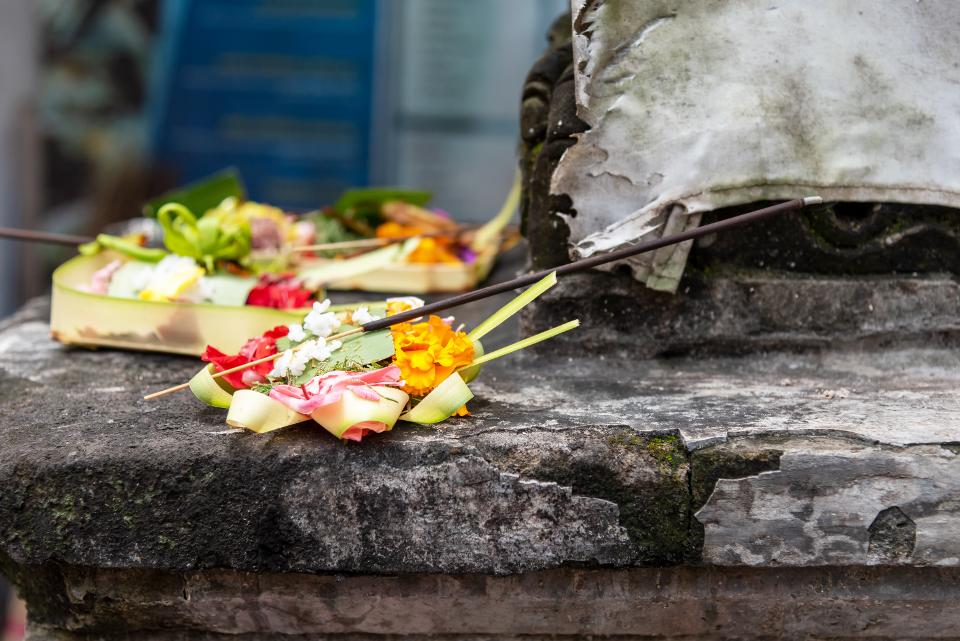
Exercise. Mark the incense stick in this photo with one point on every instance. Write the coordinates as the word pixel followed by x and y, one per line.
pixel 529 279
pixel 43 236
pixel 594 261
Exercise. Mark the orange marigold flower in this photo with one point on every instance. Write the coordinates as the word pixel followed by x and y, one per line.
pixel 391 229
pixel 428 250
pixel 402 304
pixel 434 250
pixel 427 353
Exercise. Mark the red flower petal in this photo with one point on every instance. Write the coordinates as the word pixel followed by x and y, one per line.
pixel 254 349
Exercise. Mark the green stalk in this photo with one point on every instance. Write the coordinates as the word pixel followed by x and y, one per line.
pixel 314 277
pixel 125 247
pixel 490 230
pixel 514 306
pixel 526 342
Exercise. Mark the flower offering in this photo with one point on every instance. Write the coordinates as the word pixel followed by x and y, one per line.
pixel 355 383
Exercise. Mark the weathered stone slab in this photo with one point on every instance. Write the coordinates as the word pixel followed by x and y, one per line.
pixel 751 311
pixel 835 503
pixel 681 603
pixel 833 456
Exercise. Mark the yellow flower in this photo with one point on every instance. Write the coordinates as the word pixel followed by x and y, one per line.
pixel 171 278
pixel 427 353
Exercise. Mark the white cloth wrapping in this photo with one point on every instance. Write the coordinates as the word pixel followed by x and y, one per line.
pixel 698 104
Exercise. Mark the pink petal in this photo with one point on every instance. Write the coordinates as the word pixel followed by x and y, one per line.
pixel 327 389
pixel 357 431
pixel 100 281
pixel 250 377
pixel 365 393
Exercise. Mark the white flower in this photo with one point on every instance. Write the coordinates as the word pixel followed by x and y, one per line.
pixel 319 349
pixel 299 362
pixel 320 322
pixel 362 315
pixel 172 264
pixel 172 278
pixel 296 333
pixel 282 365
pixel 294 362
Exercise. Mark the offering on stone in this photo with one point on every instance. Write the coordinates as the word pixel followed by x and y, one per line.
pixel 540 281
pixel 205 256
pixel 355 383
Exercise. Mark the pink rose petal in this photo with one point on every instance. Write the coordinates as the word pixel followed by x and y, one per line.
pixel 100 281
pixel 328 388
pixel 357 431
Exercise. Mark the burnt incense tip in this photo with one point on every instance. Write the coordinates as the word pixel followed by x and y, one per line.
pixel 812 200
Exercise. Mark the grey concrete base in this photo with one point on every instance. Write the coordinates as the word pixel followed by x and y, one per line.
pixel 668 603
pixel 749 311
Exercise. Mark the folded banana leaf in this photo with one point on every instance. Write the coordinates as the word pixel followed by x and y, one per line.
pixel 79 317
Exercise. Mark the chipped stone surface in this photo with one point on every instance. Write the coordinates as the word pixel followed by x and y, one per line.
pixel 822 505
pixel 459 515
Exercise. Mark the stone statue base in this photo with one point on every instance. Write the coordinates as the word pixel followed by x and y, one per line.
pixel 739 311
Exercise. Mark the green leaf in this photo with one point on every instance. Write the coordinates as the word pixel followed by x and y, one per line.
pixel 217 236
pixel 526 342
pixel 122 246
pixel 357 350
pixel 441 403
pixel 260 413
pixel 335 270
pixel 514 306
pixel 366 348
pixel 472 371
pixel 215 392
pixel 338 417
pixel 226 289
pixel 373 197
pixel 330 230
pixel 202 195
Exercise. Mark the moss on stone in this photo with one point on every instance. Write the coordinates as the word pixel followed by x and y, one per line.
pixel 668 450
pixel 726 461
pixel 654 504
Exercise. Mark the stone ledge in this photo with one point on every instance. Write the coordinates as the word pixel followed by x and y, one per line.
pixel 750 311
pixel 595 462
pixel 657 603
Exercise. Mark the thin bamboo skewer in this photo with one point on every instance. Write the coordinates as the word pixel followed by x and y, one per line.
pixel 362 243
pixel 585 264
pixel 35 236
pixel 347 244
pixel 259 361
pixel 377 242
pixel 522 281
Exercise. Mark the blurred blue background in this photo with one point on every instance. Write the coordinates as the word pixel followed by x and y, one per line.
pixel 104 103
